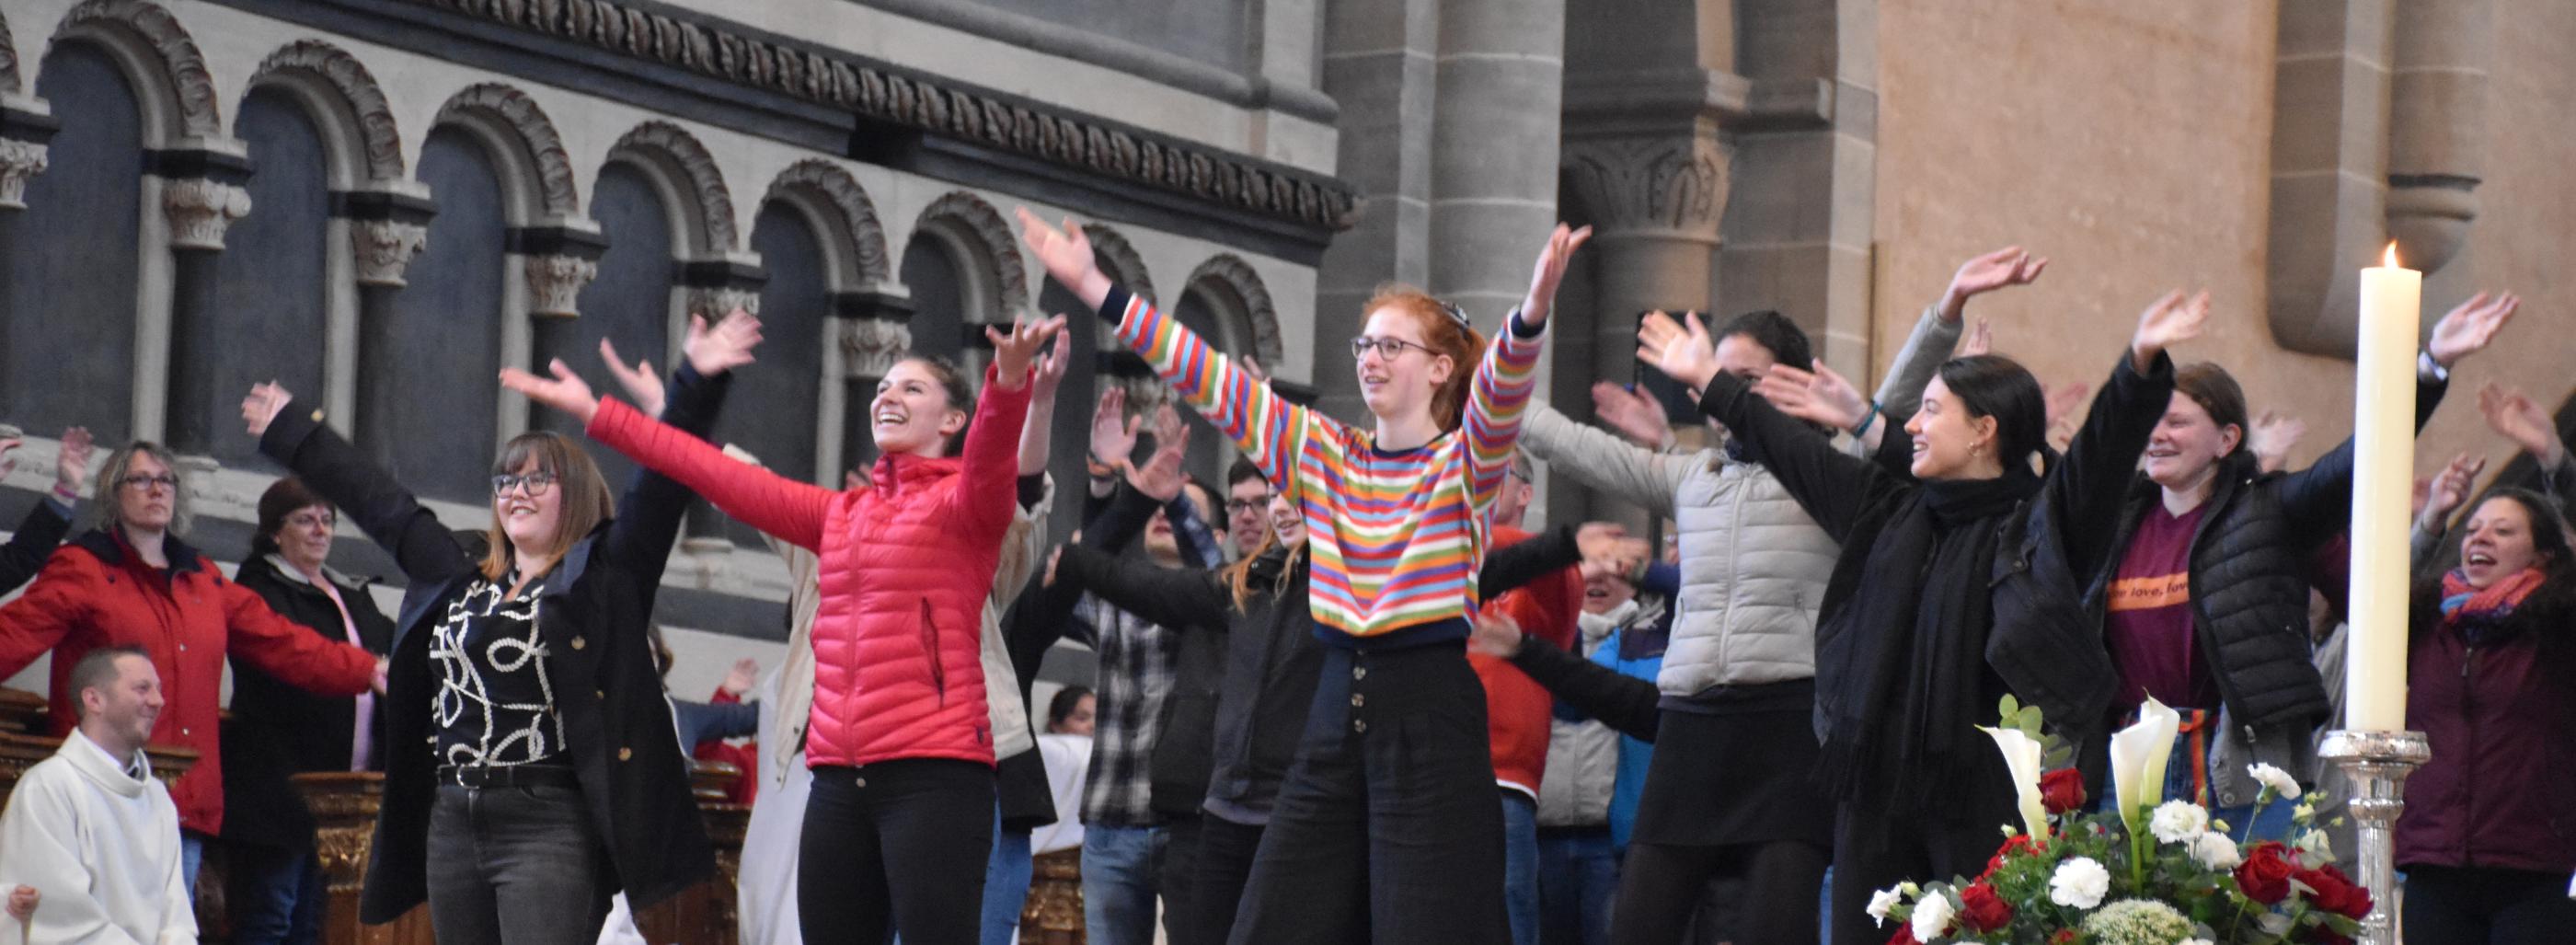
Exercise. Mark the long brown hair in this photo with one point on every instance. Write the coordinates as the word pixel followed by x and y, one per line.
pixel 1444 331
pixel 585 501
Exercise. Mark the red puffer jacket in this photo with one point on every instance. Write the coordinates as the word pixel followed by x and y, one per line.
pixel 95 592
pixel 905 566
pixel 1516 707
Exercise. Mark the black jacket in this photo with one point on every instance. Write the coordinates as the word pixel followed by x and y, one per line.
pixel 597 607
pixel 2249 584
pixel 279 730
pixel 25 554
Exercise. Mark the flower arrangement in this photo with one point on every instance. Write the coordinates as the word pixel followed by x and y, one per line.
pixel 2146 871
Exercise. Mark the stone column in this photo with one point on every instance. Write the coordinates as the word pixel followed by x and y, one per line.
pixel 25 127
pixel 559 262
pixel 1379 62
pixel 713 288
pixel 387 230
pixel 201 194
pixel 2437 126
pixel 874 333
pixel 1500 79
pixel 1802 212
pixel 2330 83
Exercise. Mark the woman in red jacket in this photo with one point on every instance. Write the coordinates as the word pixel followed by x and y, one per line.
pixel 133 582
pixel 900 821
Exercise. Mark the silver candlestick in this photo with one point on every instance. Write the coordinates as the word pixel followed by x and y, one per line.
pixel 2377 764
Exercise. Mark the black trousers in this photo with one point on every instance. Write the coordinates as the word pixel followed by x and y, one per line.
pixel 1875 848
pixel 516 866
pixel 1177 879
pixel 896 846
pixel 1225 856
pixel 1766 892
pixel 1386 828
pixel 2450 905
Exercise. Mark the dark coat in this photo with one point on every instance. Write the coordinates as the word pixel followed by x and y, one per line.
pixel 278 729
pixel 33 542
pixel 2501 720
pixel 597 609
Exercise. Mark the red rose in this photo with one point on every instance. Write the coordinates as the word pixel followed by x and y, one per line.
pixel 2063 937
pixel 2265 875
pixel 1904 935
pixel 2061 790
pixel 2019 845
pixel 1982 910
pixel 2336 892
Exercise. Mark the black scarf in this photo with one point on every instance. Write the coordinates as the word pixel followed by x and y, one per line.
pixel 1913 664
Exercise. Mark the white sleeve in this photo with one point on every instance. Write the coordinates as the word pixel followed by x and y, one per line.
pixel 37 850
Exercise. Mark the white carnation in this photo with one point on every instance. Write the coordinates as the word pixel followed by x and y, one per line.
pixel 2215 851
pixel 1932 917
pixel 2281 783
pixel 2195 941
pixel 2080 882
pixel 2178 822
pixel 1881 901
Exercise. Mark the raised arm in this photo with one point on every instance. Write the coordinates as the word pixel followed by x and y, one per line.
pixel 2447 491
pixel 1499 393
pixel 1621 702
pixel 1045 610
pixel 293 435
pixel 1831 486
pixel 50 521
pixel 651 510
pixel 280 648
pixel 1179 598
pixel 58 601
pixel 1602 461
pixel 2092 480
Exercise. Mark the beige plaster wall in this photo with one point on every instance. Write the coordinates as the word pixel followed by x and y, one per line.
pixel 2129 143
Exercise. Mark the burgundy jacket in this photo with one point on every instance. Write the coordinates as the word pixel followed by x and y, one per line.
pixel 2502 722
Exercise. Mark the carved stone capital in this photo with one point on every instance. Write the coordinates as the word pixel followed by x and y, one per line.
pixel 19 160
pixel 871 346
pixel 555 282
pixel 715 302
pixel 385 248
pixel 1666 183
pixel 200 210
pixel 1144 392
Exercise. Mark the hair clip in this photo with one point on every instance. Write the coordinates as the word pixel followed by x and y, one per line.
pixel 1456 314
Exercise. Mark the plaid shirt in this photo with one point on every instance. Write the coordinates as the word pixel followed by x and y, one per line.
pixel 1136 671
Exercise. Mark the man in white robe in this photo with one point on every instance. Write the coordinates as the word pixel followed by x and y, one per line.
pixel 90 840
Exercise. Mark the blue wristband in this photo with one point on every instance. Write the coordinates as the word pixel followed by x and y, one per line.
pixel 1866 419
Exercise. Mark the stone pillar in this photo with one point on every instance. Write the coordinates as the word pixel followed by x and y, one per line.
pixel 875 332
pixel 2437 126
pixel 559 262
pixel 2329 167
pixel 25 127
pixel 713 288
pixel 387 230
pixel 201 194
pixel 1500 78
pixel 1379 61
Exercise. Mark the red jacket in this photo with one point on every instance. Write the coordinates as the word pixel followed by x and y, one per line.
pixel 905 566
pixel 95 592
pixel 1517 707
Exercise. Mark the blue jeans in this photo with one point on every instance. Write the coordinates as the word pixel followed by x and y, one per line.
pixel 192 853
pixel 1520 865
pixel 278 895
pixel 1578 877
pixel 1119 865
pixel 1006 883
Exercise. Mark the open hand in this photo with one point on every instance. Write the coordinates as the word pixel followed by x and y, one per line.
pixel 1015 350
pixel 723 346
pixel 71 462
pixel 1637 415
pixel 2514 416
pixel 261 407
pixel 2168 321
pixel 2273 435
pixel 2451 487
pixel 1050 369
pixel 565 391
pixel 2009 266
pixel 1066 254
pixel 1549 271
pixel 1497 635
pixel 2470 326
pixel 1113 432
pixel 1980 340
pixel 1161 475
pixel 642 384
pixel 739 680
pixel 1679 349
pixel 1822 397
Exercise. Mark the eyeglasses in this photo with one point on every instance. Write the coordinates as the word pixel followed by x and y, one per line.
pixel 537 483
pixel 1387 348
pixel 1240 506
pixel 143 483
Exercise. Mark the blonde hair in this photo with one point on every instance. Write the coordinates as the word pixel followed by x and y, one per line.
pixel 585 500
pixel 1445 332
pixel 110 485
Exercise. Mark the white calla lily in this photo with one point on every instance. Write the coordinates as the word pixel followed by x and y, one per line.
pixel 2138 756
pixel 2023 754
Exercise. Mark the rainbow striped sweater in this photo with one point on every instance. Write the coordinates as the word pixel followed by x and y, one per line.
pixel 1396 536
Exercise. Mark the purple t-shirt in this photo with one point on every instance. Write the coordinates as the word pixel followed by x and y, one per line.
pixel 2150 625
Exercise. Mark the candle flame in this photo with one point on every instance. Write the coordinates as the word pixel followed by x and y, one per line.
pixel 2389 258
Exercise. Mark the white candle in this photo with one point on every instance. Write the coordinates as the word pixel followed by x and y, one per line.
pixel 2383 475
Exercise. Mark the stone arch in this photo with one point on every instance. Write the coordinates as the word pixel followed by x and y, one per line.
pixel 341 90
pixel 1125 265
pixel 180 103
pixel 501 113
pixel 975 220
pixel 848 218
pixel 1229 273
pixel 677 156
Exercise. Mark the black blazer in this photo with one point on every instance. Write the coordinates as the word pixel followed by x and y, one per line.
pixel 597 609
pixel 279 730
pixel 25 554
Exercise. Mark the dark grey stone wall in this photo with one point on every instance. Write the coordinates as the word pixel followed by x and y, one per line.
pixel 1214 32
pixel 628 304
pixel 270 300
pixel 771 410
pixel 447 326
pixel 71 267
